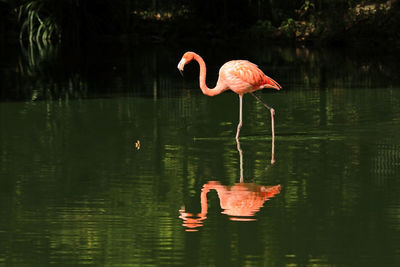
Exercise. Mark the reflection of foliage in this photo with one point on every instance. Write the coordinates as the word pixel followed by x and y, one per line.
pixel 34 56
pixel 53 72
pixel 40 71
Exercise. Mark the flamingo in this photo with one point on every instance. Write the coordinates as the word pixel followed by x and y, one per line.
pixel 240 76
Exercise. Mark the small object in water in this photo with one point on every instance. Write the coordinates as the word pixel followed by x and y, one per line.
pixel 137 144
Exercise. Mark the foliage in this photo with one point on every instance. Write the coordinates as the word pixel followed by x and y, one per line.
pixel 262 29
pixel 47 20
pixel 289 27
pixel 37 22
pixel 285 20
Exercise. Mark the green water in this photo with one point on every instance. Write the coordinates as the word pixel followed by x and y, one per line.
pixel 103 178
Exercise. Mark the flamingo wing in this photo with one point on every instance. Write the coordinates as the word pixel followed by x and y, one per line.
pixel 242 76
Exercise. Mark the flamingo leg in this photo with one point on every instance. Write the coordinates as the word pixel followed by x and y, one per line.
pixel 272 111
pixel 262 102
pixel 241 159
pixel 273 136
pixel 240 117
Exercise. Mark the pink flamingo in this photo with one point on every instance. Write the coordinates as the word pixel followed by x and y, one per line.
pixel 240 76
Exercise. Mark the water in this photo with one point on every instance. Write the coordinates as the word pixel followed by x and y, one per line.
pixel 123 162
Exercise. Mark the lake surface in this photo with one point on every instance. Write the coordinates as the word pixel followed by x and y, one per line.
pixel 109 157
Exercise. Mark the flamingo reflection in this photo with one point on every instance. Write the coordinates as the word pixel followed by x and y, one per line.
pixel 240 201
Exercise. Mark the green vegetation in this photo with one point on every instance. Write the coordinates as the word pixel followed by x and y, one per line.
pixel 316 21
pixel 41 21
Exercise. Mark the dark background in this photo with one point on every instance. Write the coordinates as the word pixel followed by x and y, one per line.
pixel 78 49
pixel 328 22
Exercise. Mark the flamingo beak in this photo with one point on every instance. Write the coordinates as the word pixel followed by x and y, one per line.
pixel 181 65
pixel 276 87
pixel 273 84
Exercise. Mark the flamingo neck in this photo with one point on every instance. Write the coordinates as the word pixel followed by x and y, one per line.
pixel 219 88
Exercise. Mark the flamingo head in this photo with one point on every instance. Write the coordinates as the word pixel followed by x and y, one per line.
pixel 186 58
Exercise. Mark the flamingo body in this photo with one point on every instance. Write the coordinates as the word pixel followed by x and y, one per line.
pixel 240 76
